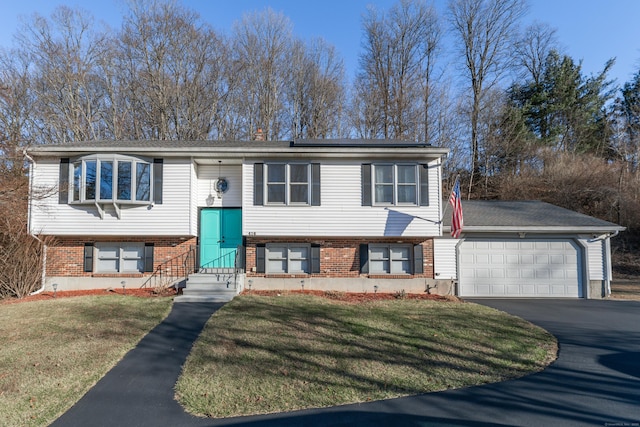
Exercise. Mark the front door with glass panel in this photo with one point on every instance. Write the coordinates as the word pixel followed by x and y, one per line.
pixel 220 236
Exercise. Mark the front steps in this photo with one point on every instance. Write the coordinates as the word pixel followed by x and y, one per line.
pixel 208 287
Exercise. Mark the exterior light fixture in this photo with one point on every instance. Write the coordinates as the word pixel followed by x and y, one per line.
pixel 375 289
pixel 55 289
pixel 302 285
pixel 210 199
pixel 123 283
pixel 250 283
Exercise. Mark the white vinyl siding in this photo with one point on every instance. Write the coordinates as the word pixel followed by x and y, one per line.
pixel 595 258
pixel 444 258
pixel 341 212
pixel 171 218
pixel 207 178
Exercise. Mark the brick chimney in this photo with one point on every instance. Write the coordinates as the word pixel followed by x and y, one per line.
pixel 259 136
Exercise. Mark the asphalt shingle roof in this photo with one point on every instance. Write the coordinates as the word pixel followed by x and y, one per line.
pixel 488 215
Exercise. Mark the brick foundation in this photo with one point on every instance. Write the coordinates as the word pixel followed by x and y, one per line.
pixel 66 257
pixel 340 257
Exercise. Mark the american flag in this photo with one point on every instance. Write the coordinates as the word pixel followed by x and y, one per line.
pixel 456 203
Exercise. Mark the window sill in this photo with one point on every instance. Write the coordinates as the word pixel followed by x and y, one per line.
pixel 390 276
pixel 117 274
pixel 280 205
pixel 286 275
pixel 111 202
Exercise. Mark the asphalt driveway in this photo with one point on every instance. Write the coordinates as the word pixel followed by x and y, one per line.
pixel 594 382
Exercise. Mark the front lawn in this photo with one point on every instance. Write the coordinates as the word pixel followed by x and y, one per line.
pixel 262 354
pixel 52 352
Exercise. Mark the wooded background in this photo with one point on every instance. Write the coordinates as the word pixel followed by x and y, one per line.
pixel 521 118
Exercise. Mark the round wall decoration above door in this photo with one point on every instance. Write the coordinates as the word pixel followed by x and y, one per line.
pixel 222 185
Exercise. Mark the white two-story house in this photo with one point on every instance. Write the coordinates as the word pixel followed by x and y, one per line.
pixel 344 215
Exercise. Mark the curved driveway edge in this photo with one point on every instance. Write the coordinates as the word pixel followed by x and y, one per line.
pixel 594 382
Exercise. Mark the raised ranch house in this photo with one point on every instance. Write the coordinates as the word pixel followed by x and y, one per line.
pixel 343 215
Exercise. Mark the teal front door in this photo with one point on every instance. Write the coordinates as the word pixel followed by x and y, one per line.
pixel 220 236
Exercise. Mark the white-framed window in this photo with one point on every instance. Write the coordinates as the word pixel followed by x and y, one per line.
pixel 287 258
pixel 119 257
pixel 390 259
pixel 121 179
pixel 288 183
pixel 395 184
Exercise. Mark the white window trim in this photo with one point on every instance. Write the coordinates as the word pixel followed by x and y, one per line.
pixel 288 247
pixel 120 258
pixel 395 201
pixel 114 159
pixel 287 184
pixel 390 248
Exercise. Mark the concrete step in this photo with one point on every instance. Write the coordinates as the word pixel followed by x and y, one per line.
pixel 201 287
pixel 209 278
pixel 203 298
pixel 194 292
pixel 211 287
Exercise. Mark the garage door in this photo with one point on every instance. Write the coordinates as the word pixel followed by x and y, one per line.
pixel 520 268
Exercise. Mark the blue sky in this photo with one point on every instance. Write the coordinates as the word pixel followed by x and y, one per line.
pixel 589 30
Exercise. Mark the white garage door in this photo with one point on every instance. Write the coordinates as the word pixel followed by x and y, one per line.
pixel 520 268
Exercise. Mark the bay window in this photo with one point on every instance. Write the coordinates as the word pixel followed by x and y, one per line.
pixel 119 179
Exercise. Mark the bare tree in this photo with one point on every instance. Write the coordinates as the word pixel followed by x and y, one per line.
pixel 394 85
pixel 260 45
pixel 171 73
pixel 68 87
pixel 315 90
pixel 532 50
pixel 484 31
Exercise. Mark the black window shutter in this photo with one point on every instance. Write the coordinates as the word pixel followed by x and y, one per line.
pixel 424 184
pixel 315 184
pixel 260 259
pixel 148 257
pixel 364 258
pixel 63 182
pixel 418 260
pixel 315 259
pixel 157 180
pixel 88 257
pixel 366 184
pixel 258 185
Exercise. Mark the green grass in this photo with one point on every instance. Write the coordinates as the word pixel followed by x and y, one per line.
pixel 269 354
pixel 52 352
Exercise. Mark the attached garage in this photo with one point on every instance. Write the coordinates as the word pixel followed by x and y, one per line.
pixel 525 249
pixel 520 268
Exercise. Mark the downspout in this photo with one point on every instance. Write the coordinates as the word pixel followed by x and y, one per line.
pixel 609 272
pixel 44 246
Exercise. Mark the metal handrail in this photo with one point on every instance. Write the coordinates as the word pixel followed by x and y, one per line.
pixel 173 270
pixel 221 261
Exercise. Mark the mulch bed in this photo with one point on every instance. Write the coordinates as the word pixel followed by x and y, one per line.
pixel 353 297
pixel 348 297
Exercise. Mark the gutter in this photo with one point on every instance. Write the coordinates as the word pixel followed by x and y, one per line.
pixel 44 246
